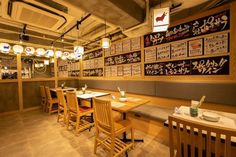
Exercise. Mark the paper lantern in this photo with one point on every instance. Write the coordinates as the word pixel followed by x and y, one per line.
pixel 46 62
pixel 58 54
pixel 40 52
pixel 18 49
pixel 106 43
pixel 5 48
pixel 29 51
pixel 79 49
pixel 161 19
pixel 49 53
pixel 71 56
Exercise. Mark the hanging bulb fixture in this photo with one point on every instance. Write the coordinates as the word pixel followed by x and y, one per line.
pixel 105 42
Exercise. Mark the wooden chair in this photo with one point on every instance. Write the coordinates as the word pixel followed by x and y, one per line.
pixel 104 124
pixel 51 102
pixel 76 115
pixel 62 106
pixel 43 98
pixel 191 139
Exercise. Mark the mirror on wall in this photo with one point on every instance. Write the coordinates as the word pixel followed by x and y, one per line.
pixel 8 66
pixel 34 67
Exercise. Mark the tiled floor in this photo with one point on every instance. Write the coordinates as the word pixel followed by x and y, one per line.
pixel 36 134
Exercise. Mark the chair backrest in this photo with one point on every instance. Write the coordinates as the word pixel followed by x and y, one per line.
pixel 48 93
pixel 103 115
pixel 72 101
pixel 61 98
pixel 42 92
pixel 185 136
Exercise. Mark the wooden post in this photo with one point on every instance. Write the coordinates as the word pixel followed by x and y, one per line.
pixel 55 70
pixel 19 78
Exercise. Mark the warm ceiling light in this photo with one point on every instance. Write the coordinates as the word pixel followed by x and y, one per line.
pixel 58 54
pixel 106 43
pixel 161 19
pixel 71 56
pixel 18 49
pixel 79 50
pixel 40 52
pixel 29 51
pixel 5 48
pixel 49 53
pixel 52 60
pixel 46 62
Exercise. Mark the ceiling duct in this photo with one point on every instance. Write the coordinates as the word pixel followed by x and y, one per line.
pixel 34 14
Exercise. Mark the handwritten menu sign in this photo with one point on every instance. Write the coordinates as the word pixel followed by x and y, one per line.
pixel 203 66
pixel 216 44
pixel 209 24
pixel 126 45
pixel 119 70
pixel 92 55
pixel 136 70
pixel 150 55
pixel 195 47
pixel 127 58
pixel 127 70
pixel 179 50
pixel 108 71
pixel 118 47
pixel 107 52
pixel 93 72
pixel 114 71
pixel 136 43
pixel 113 50
pixel 210 66
pixel 163 52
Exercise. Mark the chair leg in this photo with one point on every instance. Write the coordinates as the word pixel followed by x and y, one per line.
pixel 77 124
pixel 50 109
pixel 68 121
pixel 132 137
pixel 112 146
pixel 58 114
pixel 95 141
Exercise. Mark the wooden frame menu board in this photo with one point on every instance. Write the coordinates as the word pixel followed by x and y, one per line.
pixel 93 63
pixel 202 66
pixel 209 24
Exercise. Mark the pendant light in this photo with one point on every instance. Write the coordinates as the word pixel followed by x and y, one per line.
pixel 78 49
pixel 40 52
pixel 105 42
pixel 5 48
pixel 58 54
pixel 18 49
pixel 29 51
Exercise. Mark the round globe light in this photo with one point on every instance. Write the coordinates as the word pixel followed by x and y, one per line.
pixel 58 54
pixel 40 52
pixel 49 53
pixel 5 48
pixel 29 51
pixel 79 49
pixel 18 49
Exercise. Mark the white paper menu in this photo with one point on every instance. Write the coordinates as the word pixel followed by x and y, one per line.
pixel 127 70
pixel 136 70
pixel 150 55
pixel 163 52
pixel 126 45
pixel 136 43
pixel 119 70
pixel 195 47
pixel 114 71
pixel 216 44
pixel 179 50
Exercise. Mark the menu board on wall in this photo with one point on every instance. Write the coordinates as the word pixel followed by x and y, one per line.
pixel 127 70
pixel 195 47
pixel 179 50
pixel 209 24
pixel 107 52
pixel 114 71
pixel 126 45
pixel 92 55
pixel 118 47
pixel 107 71
pixel 150 55
pixel 93 72
pixel 216 44
pixel 202 66
pixel 119 70
pixel 136 70
pixel 127 58
pixel 113 50
pixel 163 52
pixel 136 43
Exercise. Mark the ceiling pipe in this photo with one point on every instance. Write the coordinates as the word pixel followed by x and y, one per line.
pixel 76 25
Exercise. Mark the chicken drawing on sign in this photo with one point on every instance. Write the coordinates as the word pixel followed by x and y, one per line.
pixel 162 17
pixel 209 66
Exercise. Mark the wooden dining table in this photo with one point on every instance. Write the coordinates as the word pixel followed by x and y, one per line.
pixel 63 89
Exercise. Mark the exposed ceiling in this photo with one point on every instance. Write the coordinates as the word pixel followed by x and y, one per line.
pixel 122 18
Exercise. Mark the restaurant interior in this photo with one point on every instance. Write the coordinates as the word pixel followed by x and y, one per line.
pixel 138 78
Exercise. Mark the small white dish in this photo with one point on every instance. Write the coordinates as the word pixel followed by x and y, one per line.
pixel 211 116
pixel 123 99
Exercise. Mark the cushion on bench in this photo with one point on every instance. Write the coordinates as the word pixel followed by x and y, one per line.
pixel 153 112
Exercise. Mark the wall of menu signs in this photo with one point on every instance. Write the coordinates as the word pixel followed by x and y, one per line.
pixel 198 47
pixel 123 58
pixel 68 68
pixel 93 63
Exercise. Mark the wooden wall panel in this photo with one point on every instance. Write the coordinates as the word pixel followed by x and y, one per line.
pixel 31 93
pixel 9 97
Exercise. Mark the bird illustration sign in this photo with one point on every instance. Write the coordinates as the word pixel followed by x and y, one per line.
pixel 161 19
